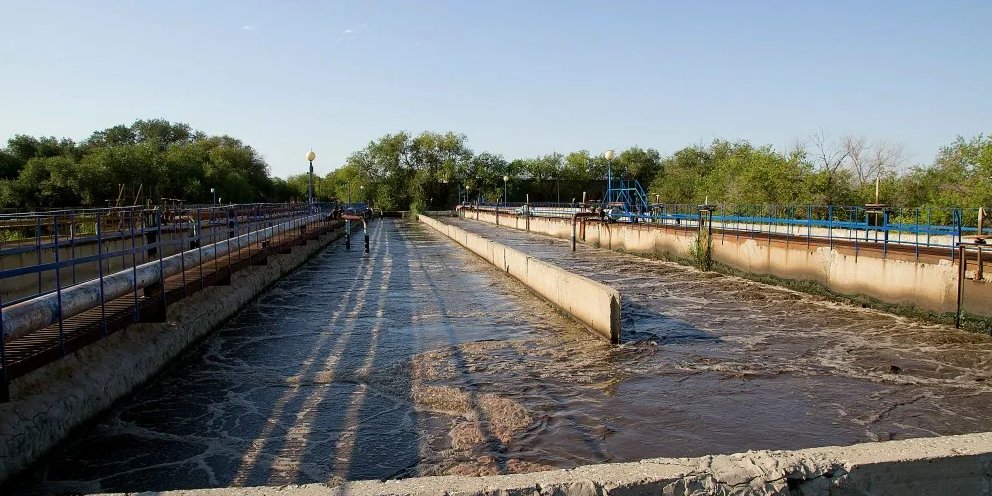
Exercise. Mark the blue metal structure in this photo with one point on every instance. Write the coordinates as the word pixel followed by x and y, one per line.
pixel 624 196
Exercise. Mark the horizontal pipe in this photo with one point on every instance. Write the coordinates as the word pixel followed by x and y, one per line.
pixel 37 313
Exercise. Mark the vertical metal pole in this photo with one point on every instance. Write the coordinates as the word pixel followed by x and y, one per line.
pixel 962 267
pixel 134 268
pixel 161 267
pixel 573 233
pixel 527 212
pixel 58 282
pixel 213 240
pixel 916 228
pixel 37 247
pixel 830 225
pixel 885 233
pixel 199 245
pixel 248 232
pixel 4 375
pixel 183 247
pixel 227 213
pixel 72 244
pixel 99 251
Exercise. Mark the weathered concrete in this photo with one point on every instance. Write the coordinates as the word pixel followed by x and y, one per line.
pixel 924 285
pixel 952 465
pixel 47 404
pixel 591 303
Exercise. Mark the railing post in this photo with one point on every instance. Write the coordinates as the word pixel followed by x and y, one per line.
pixel 72 244
pixel 199 246
pixel 134 269
pixel 916 244
pixel 58 282
pixel 161 266
pixel 962 267
pixel 227 243
pixel 37 247
pixel 99 251
pixel 4 373
pixel 180 227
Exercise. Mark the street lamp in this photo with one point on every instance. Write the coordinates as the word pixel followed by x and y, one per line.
pixel 608 155
pixel 310 156
pixel 505 179
pixel 214 193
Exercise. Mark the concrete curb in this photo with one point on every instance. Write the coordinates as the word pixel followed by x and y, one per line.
pixel 592 303
pixel 950 465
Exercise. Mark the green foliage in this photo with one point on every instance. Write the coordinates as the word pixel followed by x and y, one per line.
pixel 151 159
pixel 433 170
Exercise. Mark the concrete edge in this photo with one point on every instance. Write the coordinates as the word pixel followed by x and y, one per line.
pixel 590 302
pixel 941 465
pixel 49 404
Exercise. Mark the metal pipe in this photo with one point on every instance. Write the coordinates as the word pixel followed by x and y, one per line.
pixel 575 218
pixel 962 267
pixel 37 313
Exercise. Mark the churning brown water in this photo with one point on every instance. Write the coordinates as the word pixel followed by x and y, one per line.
pixel 421 359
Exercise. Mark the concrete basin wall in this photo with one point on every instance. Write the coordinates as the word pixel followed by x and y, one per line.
pixel 591 303
pixel 49 403
pixel 925 285
pixel 951 465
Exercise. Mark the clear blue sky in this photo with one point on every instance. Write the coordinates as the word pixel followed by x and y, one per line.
pixel 519 78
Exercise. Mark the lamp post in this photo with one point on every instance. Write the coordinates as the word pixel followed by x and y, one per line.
pixel 214 193
pixel 608 155
pixel 505 179
pixel 310 156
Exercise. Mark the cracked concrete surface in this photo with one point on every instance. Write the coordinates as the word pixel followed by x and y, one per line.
pixel 950 465
pixel 48 404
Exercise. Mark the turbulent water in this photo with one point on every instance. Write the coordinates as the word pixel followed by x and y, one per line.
pixel 420 359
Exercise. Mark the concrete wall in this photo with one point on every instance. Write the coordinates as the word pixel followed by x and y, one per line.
pixel 594 304
pixel 928 286
pixel 951 465
pixel 47 404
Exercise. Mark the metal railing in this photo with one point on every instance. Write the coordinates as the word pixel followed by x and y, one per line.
pixel 923 229
pixel 69 277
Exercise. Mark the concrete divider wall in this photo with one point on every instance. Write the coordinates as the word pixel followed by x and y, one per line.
pixel 591 303
pixel 950 465
pixel 47 404
pixel 928 286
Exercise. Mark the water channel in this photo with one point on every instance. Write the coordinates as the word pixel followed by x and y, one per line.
pixel 421 359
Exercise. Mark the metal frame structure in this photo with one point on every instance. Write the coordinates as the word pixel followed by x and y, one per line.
pixel 71 277
pixel 924 230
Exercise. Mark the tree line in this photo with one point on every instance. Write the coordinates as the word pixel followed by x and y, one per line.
pixel 434 170
pixel 151 160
